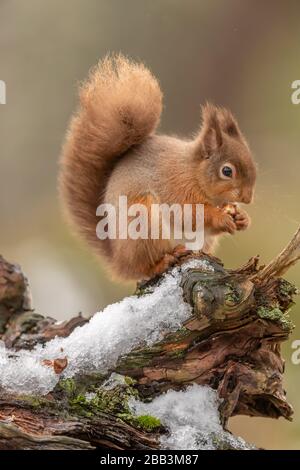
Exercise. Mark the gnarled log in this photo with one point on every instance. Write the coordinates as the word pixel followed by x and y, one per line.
pixel 230 342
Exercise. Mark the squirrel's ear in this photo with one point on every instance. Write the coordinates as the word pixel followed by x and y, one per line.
pixel 211 134
pixel 228 123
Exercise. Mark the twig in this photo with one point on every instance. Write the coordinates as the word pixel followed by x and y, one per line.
pixel 280 265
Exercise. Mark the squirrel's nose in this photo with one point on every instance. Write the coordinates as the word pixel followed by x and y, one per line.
pixel 247 195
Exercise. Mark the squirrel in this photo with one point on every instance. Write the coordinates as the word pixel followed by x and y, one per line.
pixel 112 149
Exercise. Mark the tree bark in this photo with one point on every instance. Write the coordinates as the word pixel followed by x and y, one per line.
pixel 231 342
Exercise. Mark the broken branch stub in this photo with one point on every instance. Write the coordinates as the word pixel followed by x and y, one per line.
pixel 284 261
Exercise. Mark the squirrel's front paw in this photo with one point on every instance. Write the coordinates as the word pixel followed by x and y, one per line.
pixel 226 223
pixel 241 219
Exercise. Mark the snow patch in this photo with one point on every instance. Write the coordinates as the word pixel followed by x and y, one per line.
pixel 108 335
pixel 191 417
pixel 195 263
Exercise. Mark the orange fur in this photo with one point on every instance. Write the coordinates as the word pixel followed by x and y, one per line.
pixel 112 149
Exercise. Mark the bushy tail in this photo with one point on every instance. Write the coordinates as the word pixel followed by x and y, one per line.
pixel 120 105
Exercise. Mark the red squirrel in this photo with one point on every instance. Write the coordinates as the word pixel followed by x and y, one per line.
pixel 112 149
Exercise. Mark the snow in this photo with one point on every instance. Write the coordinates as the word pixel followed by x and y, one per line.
pixel 192 418
pixel 23 372
pixel 195 263
pixel 109 334
pixel 90 396
pixel 113 381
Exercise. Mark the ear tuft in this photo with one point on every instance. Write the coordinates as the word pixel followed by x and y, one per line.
pixel 211 133
pixel 229 124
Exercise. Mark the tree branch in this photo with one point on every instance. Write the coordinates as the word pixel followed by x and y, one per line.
pixel 230 342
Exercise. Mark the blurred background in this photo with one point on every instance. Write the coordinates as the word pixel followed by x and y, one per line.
pixel 240 54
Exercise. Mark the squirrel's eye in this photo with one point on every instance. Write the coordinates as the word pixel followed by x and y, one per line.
pixel 227 171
